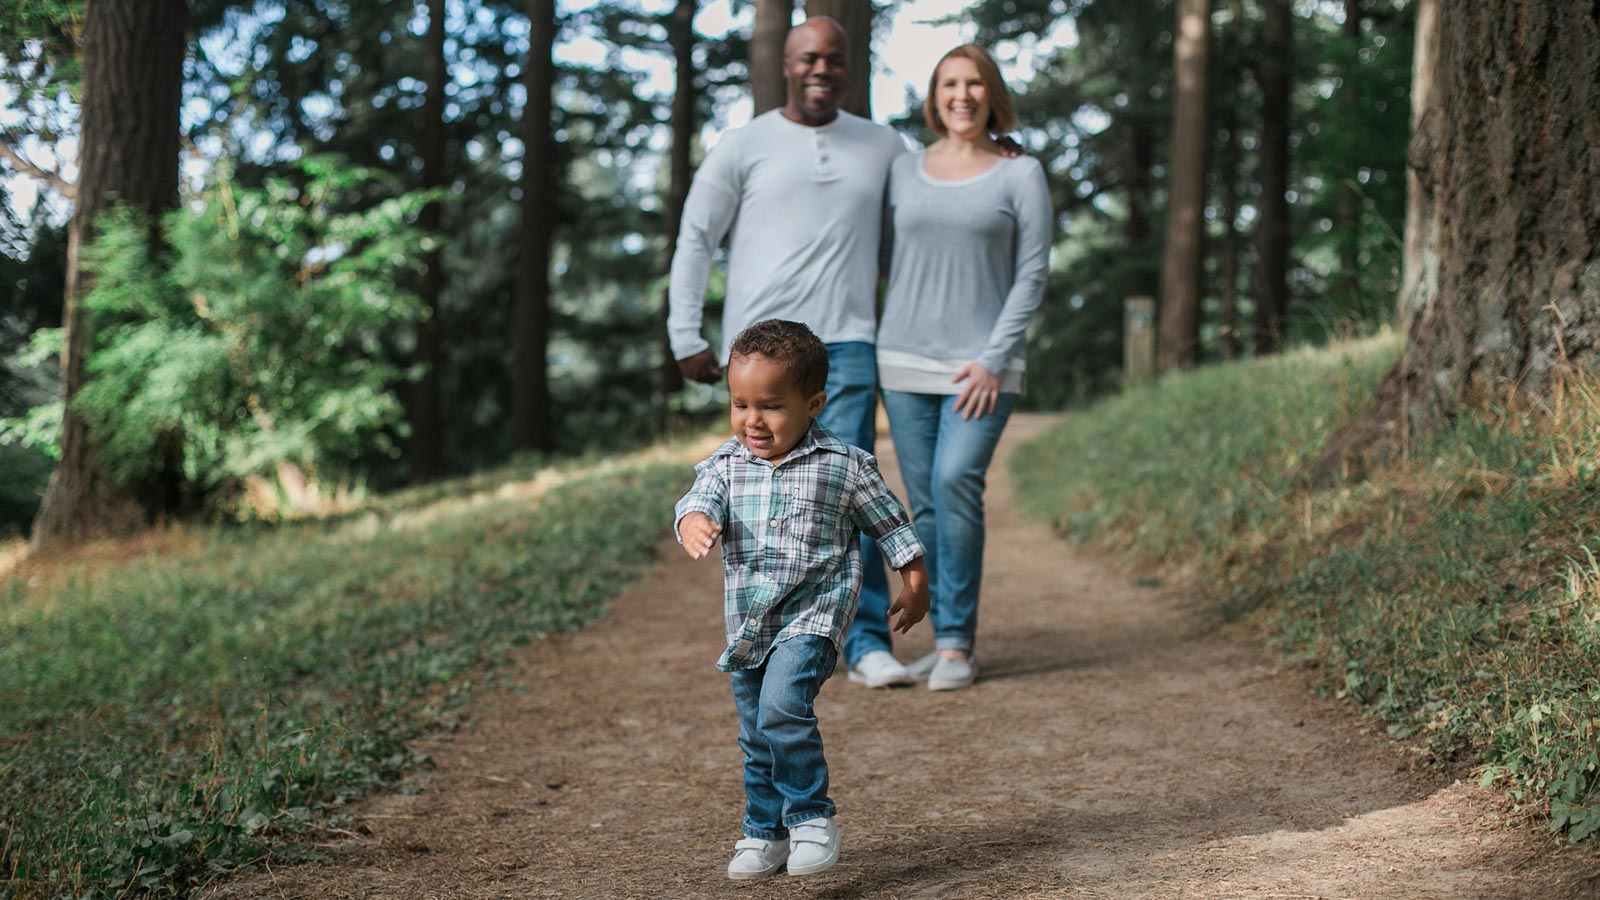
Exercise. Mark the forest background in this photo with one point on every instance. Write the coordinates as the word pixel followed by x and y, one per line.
pixel 312 251
pixel 380 263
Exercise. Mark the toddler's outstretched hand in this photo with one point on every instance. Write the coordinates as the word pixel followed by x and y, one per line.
pixel 912 604
pixel 698 534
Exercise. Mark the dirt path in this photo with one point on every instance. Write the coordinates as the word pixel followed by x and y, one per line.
pixel 1112 749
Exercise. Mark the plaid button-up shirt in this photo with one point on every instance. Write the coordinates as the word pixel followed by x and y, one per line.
pixel 791 556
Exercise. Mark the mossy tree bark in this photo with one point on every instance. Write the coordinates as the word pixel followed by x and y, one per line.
pixel 1179 343
pixel 531 426
pixel 1419 242
pixel 1507 158
pixel 133 54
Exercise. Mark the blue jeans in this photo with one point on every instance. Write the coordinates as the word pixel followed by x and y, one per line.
pixel 852 413
pixel 945 463
pixel 785 774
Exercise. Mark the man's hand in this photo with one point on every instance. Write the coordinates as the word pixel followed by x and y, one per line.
pixel 912 604
pixel 1009 148
pixel 699 534
pixel 701 367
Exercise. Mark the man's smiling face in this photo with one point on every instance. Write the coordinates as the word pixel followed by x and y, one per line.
pixel 814 63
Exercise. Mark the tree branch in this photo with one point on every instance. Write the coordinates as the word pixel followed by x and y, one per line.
pixel 10 154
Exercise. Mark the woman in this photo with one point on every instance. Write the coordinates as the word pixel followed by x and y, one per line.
pixel 971 232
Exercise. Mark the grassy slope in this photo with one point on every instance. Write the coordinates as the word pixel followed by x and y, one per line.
pixel 176 718
pixel 1455 594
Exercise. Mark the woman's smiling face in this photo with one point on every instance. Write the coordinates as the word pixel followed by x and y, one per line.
pixel 960 97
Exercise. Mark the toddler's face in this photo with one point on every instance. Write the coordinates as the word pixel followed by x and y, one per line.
pixel 767 410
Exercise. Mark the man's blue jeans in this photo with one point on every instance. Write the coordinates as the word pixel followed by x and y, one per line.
pixel 852 413
pixel 944 460
pixel 785 773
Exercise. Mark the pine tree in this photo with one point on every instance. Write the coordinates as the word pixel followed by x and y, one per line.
pixel 132 79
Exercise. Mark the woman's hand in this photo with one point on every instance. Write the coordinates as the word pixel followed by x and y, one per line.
pixel 980 393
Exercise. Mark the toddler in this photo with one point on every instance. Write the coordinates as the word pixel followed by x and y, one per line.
pixel 790 501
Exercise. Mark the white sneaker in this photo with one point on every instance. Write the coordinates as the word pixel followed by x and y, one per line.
pixel 754 858
pixel 952 674
pixel 920 669
pixel 879 669
pixel 815 846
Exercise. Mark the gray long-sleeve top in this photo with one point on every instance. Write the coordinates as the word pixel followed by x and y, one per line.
pixel 969 260
pixel 805 205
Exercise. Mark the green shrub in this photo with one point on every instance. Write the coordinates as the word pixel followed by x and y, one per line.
pixel 259 340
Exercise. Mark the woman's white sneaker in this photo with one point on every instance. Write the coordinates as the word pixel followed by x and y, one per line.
pixel 755 858
pixel 879 669
pixel 952 674
pixel 813 846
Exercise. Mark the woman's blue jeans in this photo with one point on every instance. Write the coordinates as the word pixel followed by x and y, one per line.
pixel 851 413
pixel 944 460
pixel 785 773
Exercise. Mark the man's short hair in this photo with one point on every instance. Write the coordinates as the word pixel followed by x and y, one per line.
pixel 792 345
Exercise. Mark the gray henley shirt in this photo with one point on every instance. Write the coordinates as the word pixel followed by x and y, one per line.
pixel 805 205
pixel 969 261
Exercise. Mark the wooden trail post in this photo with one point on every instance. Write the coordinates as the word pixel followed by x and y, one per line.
pixel 1138 341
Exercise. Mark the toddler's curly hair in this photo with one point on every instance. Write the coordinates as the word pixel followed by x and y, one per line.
pixel 792 345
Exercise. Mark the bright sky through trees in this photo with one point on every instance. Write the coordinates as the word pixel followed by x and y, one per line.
pixel 904 55
pixel 904 58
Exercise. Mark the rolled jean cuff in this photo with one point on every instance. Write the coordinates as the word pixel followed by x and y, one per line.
pixel 953 642
pixel 762 834
pixel 793 819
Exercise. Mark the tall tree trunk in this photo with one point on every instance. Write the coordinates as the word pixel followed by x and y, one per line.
pixel 1347 213
pixel 1514 176
pixel 682 170
pixel 856 17
pixel 1179 343
pixel 1228 185
pixel 531 428
pixel 427 429
pixel 132 81
pixel 1508 162
pixel 767 85
pixel 1272 228
pixel 1137 230
pixel 1420 267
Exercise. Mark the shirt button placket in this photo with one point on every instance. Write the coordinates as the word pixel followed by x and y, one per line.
pixel 821 170
pixel 772 503
pixel 775 497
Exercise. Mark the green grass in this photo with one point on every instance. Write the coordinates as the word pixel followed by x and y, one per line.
pixel 169 722
pixel 1455 593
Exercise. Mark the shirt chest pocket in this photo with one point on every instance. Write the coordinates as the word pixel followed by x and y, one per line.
pixel 811 525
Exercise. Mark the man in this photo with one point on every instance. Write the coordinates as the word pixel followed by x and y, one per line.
pixel 801 188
